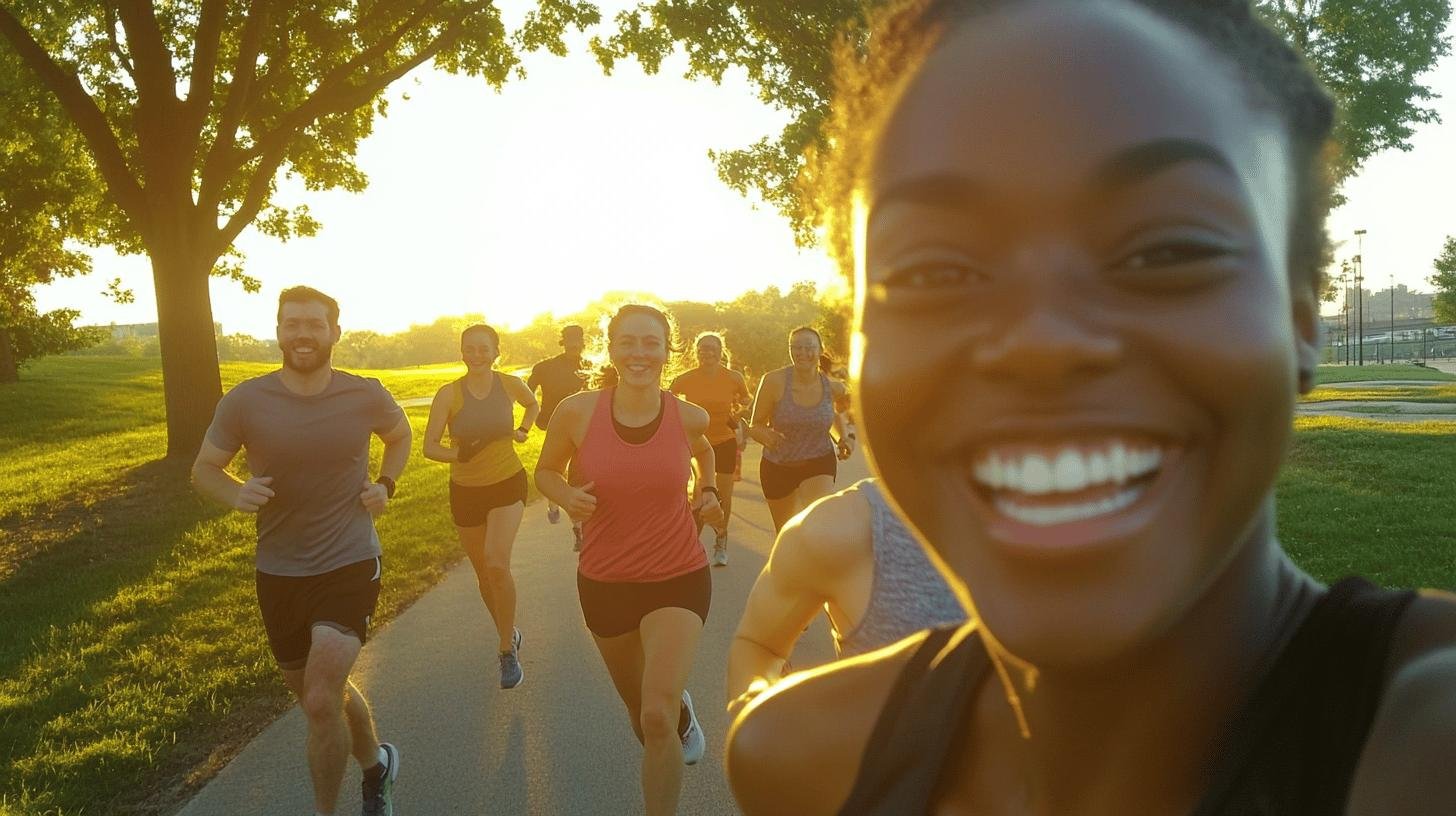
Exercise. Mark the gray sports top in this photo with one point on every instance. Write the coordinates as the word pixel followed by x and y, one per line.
pixel 805 430
pixel 316 449
pixel 485 419
pixel 907 595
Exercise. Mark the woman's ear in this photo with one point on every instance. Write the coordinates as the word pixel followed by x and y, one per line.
pixel 1305 305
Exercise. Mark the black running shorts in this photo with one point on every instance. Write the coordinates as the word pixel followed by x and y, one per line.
pixel 613 608
pixel 292 605
pixel 725 456
pixel 780 481
pixel 470 505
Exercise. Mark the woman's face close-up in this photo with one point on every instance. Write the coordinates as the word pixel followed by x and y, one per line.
pixel 804 349
pixel 1078 345
pixel 478 351
pixel 639 349
pixel 709 352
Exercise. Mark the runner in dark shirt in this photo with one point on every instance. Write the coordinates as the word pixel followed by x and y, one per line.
pixel 558 378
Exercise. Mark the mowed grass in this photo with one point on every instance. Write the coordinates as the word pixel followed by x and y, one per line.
pixel 1435 392
pixel 1352 373
pixel 1371 497
pixel 132 661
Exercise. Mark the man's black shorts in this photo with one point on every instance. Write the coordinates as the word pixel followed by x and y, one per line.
pixel 725 457
pixel 292 605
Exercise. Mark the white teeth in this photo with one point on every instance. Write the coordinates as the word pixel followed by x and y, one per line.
pixel 1036 475
pixel 1051 515
pixel 1071 472
pixel 1068 471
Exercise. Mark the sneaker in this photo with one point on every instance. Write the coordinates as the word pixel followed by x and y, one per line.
pixel 693 741
pixel 510 664
pixel 576 533
pixel 720 552
pixel 380 802
pixel 553 513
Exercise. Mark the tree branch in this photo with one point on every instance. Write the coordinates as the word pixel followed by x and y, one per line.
pixel 82 109
pixel 204 59
pixel 121 56
pixel 156 78
pixel 346 98
pixel 215 168
pixel 310 109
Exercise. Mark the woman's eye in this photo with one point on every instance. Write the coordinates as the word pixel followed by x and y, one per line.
pixel 934 275
pixel 1171 254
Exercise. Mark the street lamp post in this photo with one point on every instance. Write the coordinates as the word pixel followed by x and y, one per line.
pixel 1360 289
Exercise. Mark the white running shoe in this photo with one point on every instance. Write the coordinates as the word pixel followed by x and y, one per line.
pixel 553 513
pixel 693 741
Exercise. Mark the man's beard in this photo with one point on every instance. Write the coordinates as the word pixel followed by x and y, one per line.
pixel 322 356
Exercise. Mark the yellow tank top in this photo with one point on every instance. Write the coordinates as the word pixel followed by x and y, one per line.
pixel 491 419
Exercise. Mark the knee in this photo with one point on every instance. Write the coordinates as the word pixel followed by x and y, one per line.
pixel 659 718
pixel 321 704
pixel 497 574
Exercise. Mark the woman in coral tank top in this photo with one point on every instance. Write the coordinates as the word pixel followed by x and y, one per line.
pixel 643 576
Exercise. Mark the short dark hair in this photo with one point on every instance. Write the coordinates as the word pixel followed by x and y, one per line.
pixel 868 73
pixel 308 294
pixel 481 327
pixel 572 328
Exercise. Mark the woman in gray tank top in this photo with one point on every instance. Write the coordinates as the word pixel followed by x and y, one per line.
pixel 852 556
pixel 792 415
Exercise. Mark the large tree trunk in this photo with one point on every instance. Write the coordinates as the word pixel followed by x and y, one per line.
pixel 9 368
pixel 189 346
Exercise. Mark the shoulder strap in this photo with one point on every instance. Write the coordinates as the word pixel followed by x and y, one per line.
pixel 1297 741
pixel 457 396
pixel 918 728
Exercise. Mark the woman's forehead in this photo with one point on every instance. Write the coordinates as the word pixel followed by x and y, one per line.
pixel 1037 99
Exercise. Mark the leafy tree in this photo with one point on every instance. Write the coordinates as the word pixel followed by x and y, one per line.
pixel 1370 53
pixel 190 110
pixel 1444 304
pixel 46 188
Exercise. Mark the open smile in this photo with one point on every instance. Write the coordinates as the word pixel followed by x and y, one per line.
pixel 1071 495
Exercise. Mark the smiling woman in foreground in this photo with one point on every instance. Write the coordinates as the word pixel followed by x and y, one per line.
pixel 1088 241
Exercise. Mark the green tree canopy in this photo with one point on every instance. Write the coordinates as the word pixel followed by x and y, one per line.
pixel 47 196
pixel 1444 304
pixel 1370 53
pixel 189 111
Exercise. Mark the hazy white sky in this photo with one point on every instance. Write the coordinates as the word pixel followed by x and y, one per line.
pixel 570 184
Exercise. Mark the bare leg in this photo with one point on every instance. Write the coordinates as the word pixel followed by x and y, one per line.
pixel 725 498
pixel 472 540
pixel 320 688
pixel 501 527
pixel 623 656
pixel 669 641
pixel 782 510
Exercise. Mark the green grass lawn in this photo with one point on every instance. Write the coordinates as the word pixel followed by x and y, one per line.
pixel 132 658
pixel 1342 373
pixel 132 662
pixel 1435 392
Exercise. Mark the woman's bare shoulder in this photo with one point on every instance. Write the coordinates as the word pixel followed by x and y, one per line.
pixel 797 748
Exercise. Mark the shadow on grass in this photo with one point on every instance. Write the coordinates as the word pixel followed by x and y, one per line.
pixel 78 555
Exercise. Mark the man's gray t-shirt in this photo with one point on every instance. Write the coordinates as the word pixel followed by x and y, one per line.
pixel 316 448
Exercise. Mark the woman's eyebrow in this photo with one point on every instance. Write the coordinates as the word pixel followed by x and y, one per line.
pixel 1143 161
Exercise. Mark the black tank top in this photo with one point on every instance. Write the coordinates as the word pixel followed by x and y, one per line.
pixel 1292 749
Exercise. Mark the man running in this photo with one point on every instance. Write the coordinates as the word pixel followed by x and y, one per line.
pixel 306 430
pixel 558 378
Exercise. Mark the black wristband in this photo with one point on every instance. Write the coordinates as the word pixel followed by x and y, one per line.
pixel 710 489
pixel 525 429
pixel 850 436
pixel 388 484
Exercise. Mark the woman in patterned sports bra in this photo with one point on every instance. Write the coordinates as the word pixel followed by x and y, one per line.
pixel 792 414
pixel 1091 240
pixel 487 480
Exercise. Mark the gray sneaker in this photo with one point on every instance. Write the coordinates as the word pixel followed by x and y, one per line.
pixel 380 801
pixel 720 552
pixel 510 664
pixel 693 741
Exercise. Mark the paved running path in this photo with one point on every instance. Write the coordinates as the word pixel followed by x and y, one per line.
pixel 559 743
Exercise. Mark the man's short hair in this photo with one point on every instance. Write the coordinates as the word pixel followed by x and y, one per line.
pixel 308 294
pixel 572 332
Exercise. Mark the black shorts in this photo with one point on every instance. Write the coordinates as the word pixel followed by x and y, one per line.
pixel 725 456
pixel 292 605
pixel 470 505
pixel 779 481
pixel 613 608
